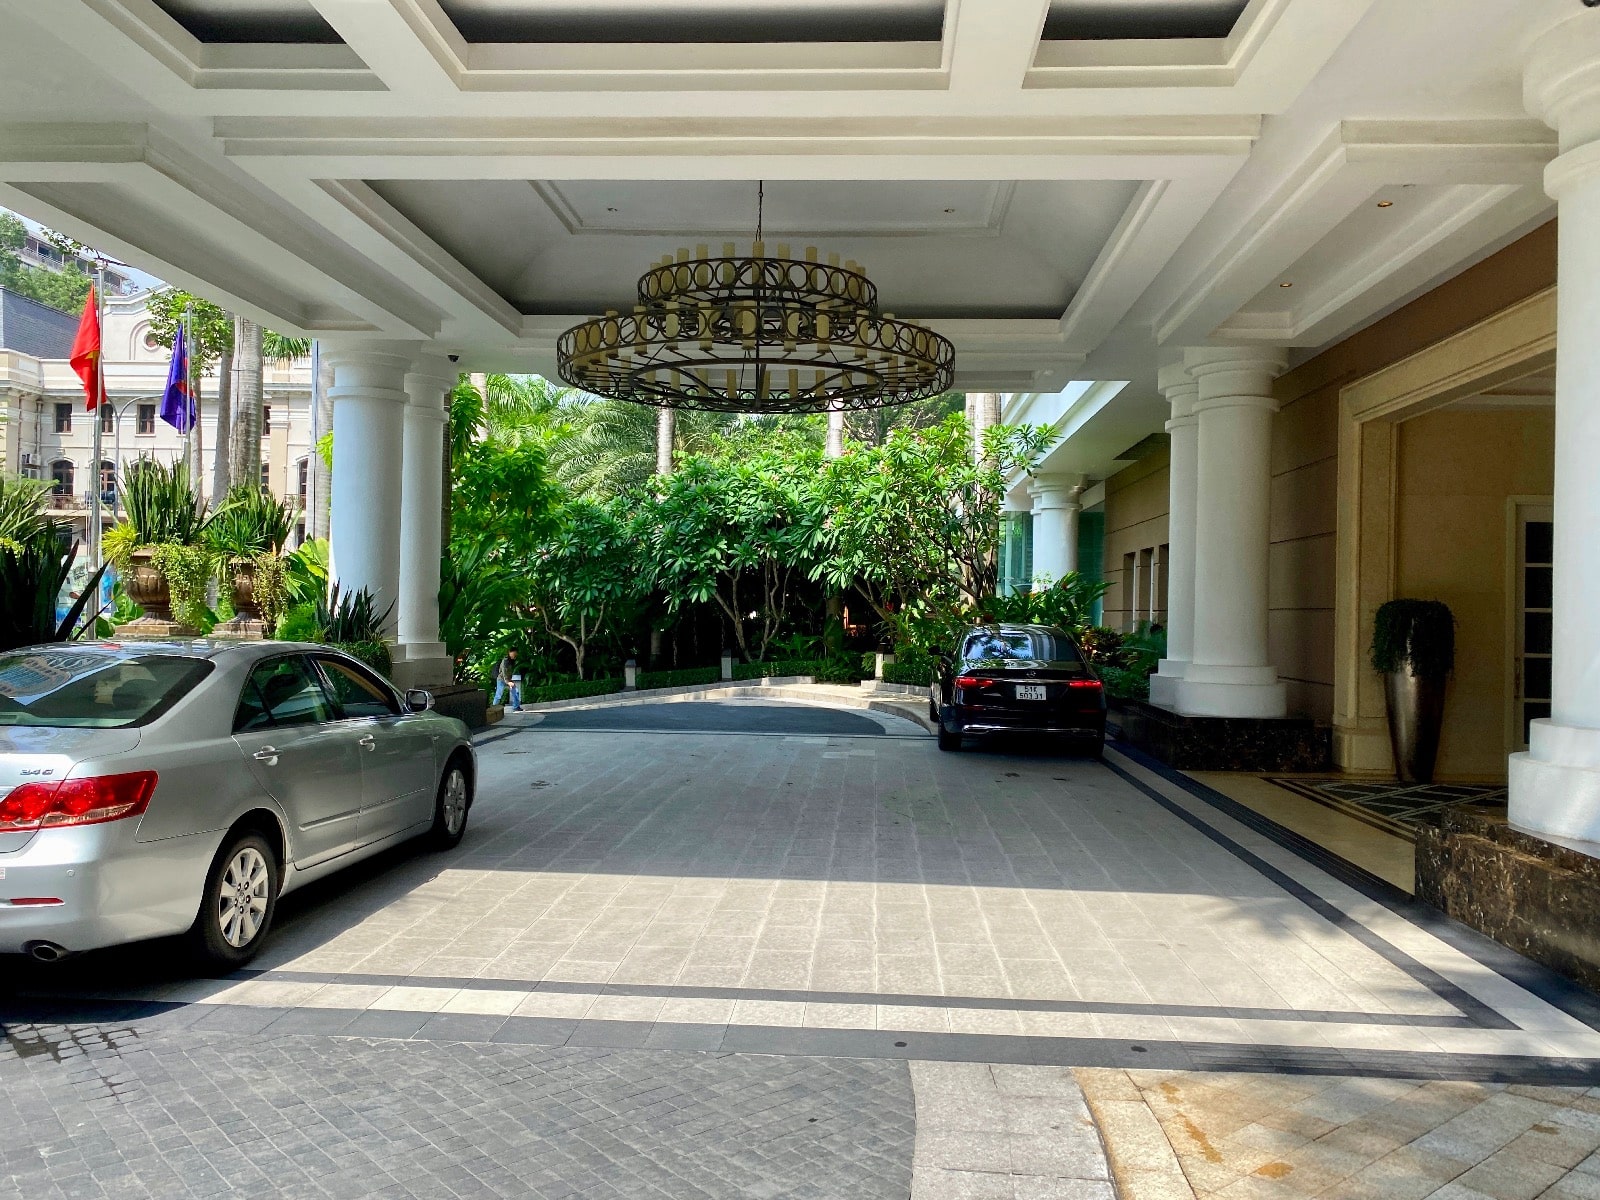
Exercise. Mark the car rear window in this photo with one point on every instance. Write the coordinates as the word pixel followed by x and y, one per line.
pixel 74 687
pixel 1018 645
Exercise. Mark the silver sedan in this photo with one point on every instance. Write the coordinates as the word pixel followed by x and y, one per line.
pixel 149 789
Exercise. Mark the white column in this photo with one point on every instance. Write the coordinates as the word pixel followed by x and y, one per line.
pixel 1555 786
pixel 369 404
pixel 1181 391
pixel 422 660
pixel 1230 672
pixel 1056 505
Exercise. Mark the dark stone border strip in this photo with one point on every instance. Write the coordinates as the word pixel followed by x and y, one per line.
pixel 886 999
pixel 1475 1010
pixel 150 1017
pixel 1555 990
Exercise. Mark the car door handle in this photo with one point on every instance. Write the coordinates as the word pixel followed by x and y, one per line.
pixel 370 742
pixel 266 755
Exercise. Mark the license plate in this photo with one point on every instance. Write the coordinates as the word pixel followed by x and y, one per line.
pixel 1030 691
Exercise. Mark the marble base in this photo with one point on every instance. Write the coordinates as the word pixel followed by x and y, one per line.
pixel 1537 897
pixel 464 701
pixel 1225 743
pixel 154 629
pixel 240 628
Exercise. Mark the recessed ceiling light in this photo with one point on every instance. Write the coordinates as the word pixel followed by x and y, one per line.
pixel 1385 203
pixel 610 209
pixel 949 210
pixel 1286 285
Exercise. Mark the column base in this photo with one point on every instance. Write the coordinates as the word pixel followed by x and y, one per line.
pixel 1209 691
pixel 1555 785
pixel 1223 743
pixel 1164 683
pixel 422 665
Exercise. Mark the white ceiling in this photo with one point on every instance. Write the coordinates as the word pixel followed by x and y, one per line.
pixel 1126 177
pixel 963 248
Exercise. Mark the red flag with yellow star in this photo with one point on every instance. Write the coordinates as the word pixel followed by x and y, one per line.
pixel 86 352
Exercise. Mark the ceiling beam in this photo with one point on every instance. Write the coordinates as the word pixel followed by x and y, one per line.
pixel 993 43
pixel 408 44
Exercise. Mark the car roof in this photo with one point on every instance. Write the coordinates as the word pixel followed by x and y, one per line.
pixel 1014 627
pixel 207 648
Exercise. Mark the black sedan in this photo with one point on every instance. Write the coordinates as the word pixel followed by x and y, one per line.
pixel 1018 679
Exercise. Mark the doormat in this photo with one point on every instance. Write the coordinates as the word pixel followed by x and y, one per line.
pixel 1393 807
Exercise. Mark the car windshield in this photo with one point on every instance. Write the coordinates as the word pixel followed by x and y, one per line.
pixel 1018 645
pixel 68 686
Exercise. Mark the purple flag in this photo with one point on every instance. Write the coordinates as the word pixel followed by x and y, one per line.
pixel 177 402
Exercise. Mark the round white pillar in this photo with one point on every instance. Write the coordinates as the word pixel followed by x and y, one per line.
pixel 1181 391
pixel 1555 786
pixel 369 404
pixel 1056 505
pixel 423 660
pixel 1230 672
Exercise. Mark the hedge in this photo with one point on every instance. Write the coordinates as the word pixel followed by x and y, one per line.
pixel 823 670
pixel 574 690
pixel 687 677
pixel 914 674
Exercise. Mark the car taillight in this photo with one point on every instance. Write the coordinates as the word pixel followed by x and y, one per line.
pixel 1095 684
pixel 971 681
pixel 86 801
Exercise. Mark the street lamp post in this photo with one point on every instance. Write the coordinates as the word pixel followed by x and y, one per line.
pixel 116 442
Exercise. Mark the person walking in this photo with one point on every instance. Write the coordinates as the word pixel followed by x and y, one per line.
pixel 507 681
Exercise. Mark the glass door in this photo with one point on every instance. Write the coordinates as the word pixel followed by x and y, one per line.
pixel 1531 675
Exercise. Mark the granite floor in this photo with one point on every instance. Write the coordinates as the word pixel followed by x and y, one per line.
pixel 851 899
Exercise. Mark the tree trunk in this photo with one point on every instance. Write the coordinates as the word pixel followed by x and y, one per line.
pixel 666 432
pixel 244 460
pixel 220 441
pixel 835 434
pixel 321 482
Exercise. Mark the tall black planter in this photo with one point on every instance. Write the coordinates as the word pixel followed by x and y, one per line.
pixel 1416 714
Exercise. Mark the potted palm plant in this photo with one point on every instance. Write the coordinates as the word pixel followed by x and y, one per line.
pixel 157 549
pixel 1414 649
pixel 247 535
pixel 34 569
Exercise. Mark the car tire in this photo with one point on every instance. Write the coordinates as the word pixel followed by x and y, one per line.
pixel 451 806
pixel 1095 748
pixel 949 739
pixel 236 908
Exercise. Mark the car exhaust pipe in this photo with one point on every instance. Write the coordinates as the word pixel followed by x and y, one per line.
pixel 46 951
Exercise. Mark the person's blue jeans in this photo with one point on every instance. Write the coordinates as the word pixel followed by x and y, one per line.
pixel 501 687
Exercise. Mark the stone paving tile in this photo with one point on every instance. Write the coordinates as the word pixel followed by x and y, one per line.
pixel 195 1112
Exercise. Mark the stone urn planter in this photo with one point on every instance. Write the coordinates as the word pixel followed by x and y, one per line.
pixel 246 620
pixel 147 588
pixel 1413 648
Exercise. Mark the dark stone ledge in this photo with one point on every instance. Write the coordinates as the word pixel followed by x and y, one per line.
pixel 1225 743
pixel 1540 899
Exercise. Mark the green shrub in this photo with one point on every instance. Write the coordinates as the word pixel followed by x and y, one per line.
pixel 572 690
pixel 375 653
pixel 839 670
pixel 684 678
pixel 299 624
pixel 1125 683
pixel 913 673
pixel 1415 634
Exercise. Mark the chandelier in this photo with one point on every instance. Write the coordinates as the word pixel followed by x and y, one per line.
pixel 760 334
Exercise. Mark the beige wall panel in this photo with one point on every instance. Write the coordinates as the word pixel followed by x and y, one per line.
pixel 1305 431
pixel 1300 574
pixel 1301 640
pixel 1304 502
pixel 1312 699
pixel 1458 470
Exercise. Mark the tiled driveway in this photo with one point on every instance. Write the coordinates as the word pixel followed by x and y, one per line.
pixel 648 904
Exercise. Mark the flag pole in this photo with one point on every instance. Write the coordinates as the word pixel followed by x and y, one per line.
pixel 191 457
pixel 95 516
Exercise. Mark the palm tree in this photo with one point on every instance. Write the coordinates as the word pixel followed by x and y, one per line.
pixel 244 453
pixel 613 446
pixel 504 406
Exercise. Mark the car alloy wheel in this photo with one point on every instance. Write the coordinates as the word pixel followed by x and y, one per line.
pixel 450 808
pixel 243 897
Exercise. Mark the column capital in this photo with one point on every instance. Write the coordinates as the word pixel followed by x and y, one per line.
pixel 430 379
pixel 374 370
pixel 1181 389
pixel 1561 76
pixel 1232 376
pixel 1056 491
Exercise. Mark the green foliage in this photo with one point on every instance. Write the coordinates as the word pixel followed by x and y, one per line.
pixel 1144 648
pixel 608 447
pixel 65 290
pixel 162 508
pixel 1101 645
pixel 278 347
pixel 685 678
pixel 210 328
pixel 250 523
pixel 570 691
pixel 31 577
pixel 270 587
pixel 306 571
pixel 1125 683
pixel 1068 603
pixel 350 618
pixel 188 571
pixel 823 670
pixel 22 511
pixel 373 651
pixel 1414 635
pixel 798 645
pixel 299 624
pixel 118 544
pixel 586 572
pixel 912 674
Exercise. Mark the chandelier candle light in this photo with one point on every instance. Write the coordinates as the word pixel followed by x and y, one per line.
pixel 763 333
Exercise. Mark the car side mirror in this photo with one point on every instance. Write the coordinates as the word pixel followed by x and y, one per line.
pixel 419 700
